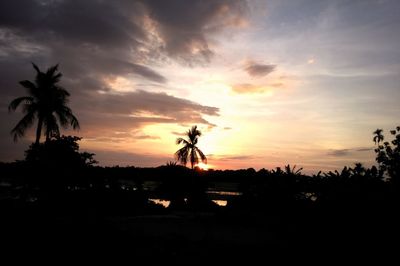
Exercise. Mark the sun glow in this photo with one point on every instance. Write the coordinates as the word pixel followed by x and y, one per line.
pixel 203 166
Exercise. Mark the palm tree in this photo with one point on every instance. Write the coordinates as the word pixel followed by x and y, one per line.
pixel 190 151
pixel 46 102
pixel 378 136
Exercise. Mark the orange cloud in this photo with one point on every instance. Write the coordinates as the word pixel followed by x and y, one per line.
pixel 250 88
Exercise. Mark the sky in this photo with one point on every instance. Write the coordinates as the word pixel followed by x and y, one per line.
pixel 268 83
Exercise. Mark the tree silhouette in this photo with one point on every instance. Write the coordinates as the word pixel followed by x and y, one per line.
pixel 47 102
pixel 190 151
pixel 388 155
pixel 378 136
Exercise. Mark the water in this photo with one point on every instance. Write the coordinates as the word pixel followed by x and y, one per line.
pixel 162 202
pixel 166 203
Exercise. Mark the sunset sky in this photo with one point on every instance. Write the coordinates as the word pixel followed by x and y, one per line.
pixel 267 82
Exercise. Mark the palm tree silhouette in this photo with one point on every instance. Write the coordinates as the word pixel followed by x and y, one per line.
pixel 47 102
pixel 378 136
pixel 190 151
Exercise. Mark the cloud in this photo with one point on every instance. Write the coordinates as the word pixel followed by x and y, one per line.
pixel 365 149
pixel 112 158
pixel 249 88
pixel 181 134
pixel 259 70
pixel 107 113
pixel 141 70
pixel 150 105
pixel 147 137
pixel 346 152
pixel 183 26
pixel 339 152
pixel 277 85
pixel 111 137
pixel 231 157
pixel 142 29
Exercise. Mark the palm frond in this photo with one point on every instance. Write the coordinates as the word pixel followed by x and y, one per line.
pixel 182 140
pixel 51 71
pixel 16 102
pixel 36 68
pixel 74 122
pixel 194 134
pixel 52 129
pixel 26 122
pixel 64 122
pixel 30 107
pixel 56 78
pixel 182 155
pixel 62 91
pixel 66 117
pixel 202 156
pixel 28 84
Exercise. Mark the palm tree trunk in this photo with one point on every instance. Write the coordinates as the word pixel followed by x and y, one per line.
pixel 39 130
pixel 47 135
pixel 192 157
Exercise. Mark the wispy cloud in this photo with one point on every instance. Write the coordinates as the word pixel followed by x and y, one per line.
pixel 259 70
pixel 347 152
pixel 249 88
pixel 231 157
pixel 339 152
pixel 181 134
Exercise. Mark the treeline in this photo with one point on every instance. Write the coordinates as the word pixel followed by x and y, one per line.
pixel 56 169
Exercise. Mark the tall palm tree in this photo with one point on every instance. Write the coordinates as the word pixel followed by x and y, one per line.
pixel 378 136
pixel 190 152
pixel 47 102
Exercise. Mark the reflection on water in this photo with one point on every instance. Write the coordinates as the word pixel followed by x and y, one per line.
pixel 164 203
pixel 221 203
pixel 224 193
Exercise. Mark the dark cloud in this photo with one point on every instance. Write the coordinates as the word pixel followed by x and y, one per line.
pixel 100 23
pixel 116 138
pixel 184 25
pixel 346 152
pixel 104 114
pixel 364 149
pixel 231 157
pixel 146 72
pixel 112 158
pixel 150 105
pixel 339 152
pixel 179 29
pixel 259 70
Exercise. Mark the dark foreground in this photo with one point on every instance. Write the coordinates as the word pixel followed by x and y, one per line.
pixel 160 237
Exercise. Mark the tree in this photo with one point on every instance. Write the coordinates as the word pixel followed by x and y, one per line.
pixel 388 155
pixel 47 102
pixel 61 152
pixel 190 152
pixel 378 136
